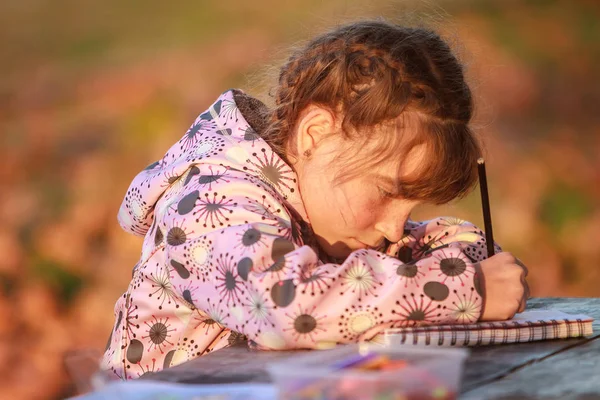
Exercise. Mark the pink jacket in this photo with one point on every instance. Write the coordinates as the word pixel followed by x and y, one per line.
pixel 224 256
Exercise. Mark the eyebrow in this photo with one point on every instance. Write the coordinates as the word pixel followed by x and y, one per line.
pixel 386 179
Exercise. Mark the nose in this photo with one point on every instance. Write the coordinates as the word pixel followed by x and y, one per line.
pixel 392 227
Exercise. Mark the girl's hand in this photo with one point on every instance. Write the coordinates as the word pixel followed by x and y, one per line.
pixel 506 289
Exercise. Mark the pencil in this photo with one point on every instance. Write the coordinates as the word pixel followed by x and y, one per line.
pixel 485 203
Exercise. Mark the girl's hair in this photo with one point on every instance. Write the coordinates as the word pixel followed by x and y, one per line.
pixel 376 74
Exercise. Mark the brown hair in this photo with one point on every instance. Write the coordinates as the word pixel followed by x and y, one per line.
pixel 378 74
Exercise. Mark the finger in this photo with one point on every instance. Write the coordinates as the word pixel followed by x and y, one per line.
pixel 520 263
pixel 520 307
pixel 525 297
pixel 526 286
pixel 522 304
pixel 526 294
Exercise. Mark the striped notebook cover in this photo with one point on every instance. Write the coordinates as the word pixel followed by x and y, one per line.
pixel 527 326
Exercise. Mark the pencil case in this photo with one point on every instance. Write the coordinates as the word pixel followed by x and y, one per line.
pixel 367 371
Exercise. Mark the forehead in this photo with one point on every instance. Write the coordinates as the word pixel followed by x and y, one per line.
pixel 406 164
pixel 386 154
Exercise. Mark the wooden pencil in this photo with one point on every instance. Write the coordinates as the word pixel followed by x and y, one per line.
pixel 485 203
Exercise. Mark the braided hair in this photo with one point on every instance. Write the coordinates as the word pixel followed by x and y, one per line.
pixel 375 74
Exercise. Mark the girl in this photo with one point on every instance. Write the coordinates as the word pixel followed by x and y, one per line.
pixel 291 226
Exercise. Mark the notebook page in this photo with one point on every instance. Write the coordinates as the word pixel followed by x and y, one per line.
pixel 528 318
pixel 536 316
pixel 524 327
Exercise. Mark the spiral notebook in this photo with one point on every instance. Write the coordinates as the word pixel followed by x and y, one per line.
pixel 527 326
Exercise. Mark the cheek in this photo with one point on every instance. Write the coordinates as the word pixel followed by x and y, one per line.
pixel 342 210
pixel 360 205
pixel 317 194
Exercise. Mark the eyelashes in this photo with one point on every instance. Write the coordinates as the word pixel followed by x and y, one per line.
pixel 385 193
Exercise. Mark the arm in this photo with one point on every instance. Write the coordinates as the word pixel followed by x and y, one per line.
pixel 250 277
pixel 422 237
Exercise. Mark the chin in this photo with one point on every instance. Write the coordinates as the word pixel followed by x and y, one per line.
pixel 338 249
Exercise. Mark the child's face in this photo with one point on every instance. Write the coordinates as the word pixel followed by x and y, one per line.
pixel 354 214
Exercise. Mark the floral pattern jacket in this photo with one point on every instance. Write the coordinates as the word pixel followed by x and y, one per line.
pixel 225 256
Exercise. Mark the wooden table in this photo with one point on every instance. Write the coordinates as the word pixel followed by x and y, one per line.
pixel 562 369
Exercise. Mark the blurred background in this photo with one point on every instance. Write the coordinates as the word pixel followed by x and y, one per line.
pixel 91 92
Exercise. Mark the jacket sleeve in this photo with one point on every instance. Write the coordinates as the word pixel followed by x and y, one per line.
pixel 231 256
pixel 422 237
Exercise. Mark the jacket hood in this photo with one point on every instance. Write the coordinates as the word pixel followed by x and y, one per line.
pixel 237 119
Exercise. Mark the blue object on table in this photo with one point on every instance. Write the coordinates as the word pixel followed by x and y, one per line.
pixel 153 390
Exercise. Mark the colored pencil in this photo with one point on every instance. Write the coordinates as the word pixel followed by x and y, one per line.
pixel 485 203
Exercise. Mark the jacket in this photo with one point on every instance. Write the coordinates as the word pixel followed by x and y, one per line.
pixel 225 257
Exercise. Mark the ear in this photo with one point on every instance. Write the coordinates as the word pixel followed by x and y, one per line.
pixel 314 124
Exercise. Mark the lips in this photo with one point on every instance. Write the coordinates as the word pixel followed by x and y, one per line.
pixel 366 245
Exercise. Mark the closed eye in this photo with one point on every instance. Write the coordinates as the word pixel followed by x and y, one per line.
pixel 385 193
